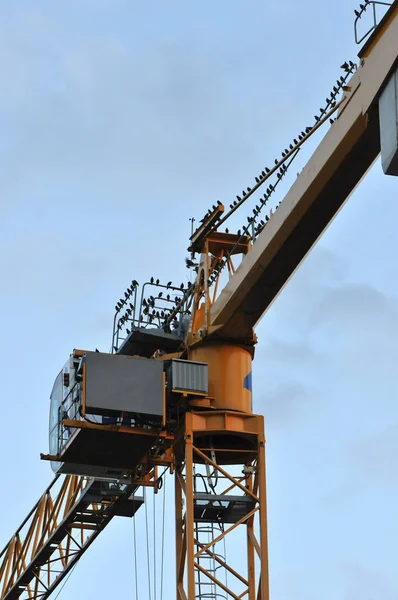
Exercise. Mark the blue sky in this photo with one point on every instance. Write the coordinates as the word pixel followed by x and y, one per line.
pixel 120 121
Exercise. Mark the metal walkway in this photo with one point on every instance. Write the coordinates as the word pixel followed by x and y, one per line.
pixel 58 530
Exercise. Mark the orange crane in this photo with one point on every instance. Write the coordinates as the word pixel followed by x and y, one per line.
pixel 175 391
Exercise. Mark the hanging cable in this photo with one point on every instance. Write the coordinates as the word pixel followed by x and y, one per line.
pixel 135 559
pixel 154 546
pixel 163 523
pixel 147 546
pixel 65 582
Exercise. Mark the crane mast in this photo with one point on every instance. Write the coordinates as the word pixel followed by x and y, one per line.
pixel 175 393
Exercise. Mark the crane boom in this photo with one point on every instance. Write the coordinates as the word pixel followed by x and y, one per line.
pixel 65 521
pixel 330 176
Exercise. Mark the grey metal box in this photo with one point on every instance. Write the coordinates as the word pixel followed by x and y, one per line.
pixel 189 376
pixel 388 113
pixel 115 384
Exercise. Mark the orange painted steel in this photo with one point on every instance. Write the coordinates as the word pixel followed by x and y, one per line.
pixel 229 375
pixel 250 577
pixel 52 538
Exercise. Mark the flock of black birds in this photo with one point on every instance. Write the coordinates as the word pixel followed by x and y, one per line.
pixel 165 307
pixel 254 226
pixel 362 8
pixel 161 309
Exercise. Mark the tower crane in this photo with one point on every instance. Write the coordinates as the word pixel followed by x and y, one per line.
pixel 174 392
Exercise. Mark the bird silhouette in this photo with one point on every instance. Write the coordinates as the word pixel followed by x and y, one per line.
pixel 157 282
pixel 249 189
pixel 357 14
pixel 152 280
pixel 257 180
pixel 182 286
pixel 226 230
pixel 238 198
pixel 276 161
pixel 160 294
pixel 169 283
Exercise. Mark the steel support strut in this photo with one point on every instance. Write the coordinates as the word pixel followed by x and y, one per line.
pixel 231 467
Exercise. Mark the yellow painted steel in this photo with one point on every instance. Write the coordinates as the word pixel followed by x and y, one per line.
pixel 229 375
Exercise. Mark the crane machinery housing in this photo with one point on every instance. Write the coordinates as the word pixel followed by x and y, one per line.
pixel 175 392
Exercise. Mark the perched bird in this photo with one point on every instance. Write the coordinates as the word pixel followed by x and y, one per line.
pixel 295 141
pixel 238 232
pixel 168 297
pixel 219 202
pixel 331 121
pixel 134 282
pixel 160 294
pixel 276 161
pixel 249 189
pixel 238 198
pixel 189 263
pixel 231 206
pixel 157 282
pixel 357 14
pixel 152 280
pixel 257 180
pixel 344 66
pixel 267 170
pixel 263 173
pixel 227 230
pixel 243 193
pixel 182 286
pixel 169 283
pixel 144 302
pixel 352 65
pixel 291 146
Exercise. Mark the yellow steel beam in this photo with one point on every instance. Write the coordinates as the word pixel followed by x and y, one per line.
pixel 332 173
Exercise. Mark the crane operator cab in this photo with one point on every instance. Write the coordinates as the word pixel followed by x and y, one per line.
pixel 108 411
